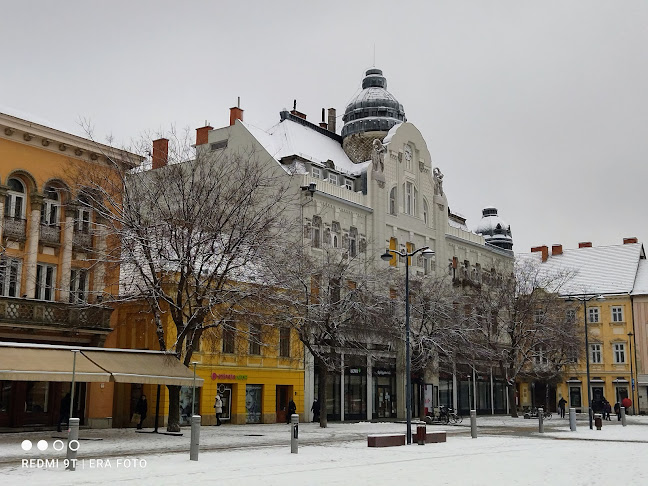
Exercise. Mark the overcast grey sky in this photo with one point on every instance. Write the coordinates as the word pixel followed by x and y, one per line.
pixel 537 107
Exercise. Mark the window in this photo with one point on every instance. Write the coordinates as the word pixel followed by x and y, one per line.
pixel 570 316
pixel 617 314
pixel 83 220
pixel 392 201
pixel 255 339
pixel 45 279
pixel 15 199
pixel 538 317
pixel 10 277
pixel 50 208
pixel 596 355
pixel 410 195
pixel 218 145
pixel 78 286
pixel 284 342
pixel 425 211
pixel 316 232
pixel 353 237
pixel 393 245
pixel 229 336
pixel 335 234
pixel 348 183
pixel 334 285
pixel 540 355
pixel 317 172
pixel 333 178
pixel 593 316
pixel 619 353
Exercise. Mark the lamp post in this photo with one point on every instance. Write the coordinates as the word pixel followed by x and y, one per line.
pixel 193 391
pixel 632 382
pixel 387 256
pixel 585 298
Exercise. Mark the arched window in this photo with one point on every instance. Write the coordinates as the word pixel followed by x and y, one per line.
pixel 425 211
pixel 392 201
pixel 410 196
pixel 51 207
pixel 15 199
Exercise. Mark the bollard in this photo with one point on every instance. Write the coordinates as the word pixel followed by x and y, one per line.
pixel 541 420
pixel 572 419
pixel 294 433
pixel 473 424
pixel 73 444
pixel 195 437
pixel 623 416
pixel 598 421
pixel 421 434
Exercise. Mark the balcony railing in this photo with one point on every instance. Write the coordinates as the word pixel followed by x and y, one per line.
pixel 50 234
pixel 82 240
pixel 34 314
pixel 14 227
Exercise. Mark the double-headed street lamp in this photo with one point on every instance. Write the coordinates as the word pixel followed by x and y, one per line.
pixel 585 298
pixel 387 256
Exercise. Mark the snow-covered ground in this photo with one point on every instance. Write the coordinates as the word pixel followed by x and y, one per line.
pixel 507 451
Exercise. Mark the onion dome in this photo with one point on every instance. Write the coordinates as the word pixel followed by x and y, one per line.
pixel 494 229
pixel 374 109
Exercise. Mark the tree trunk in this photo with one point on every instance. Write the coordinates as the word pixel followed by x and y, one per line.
pixel 511 397
pixel 173 423
pixel 321 393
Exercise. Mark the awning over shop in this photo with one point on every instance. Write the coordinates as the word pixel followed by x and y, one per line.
pixel 41 362
pixel 142 367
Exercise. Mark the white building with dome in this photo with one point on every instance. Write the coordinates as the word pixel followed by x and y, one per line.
pixel 375 188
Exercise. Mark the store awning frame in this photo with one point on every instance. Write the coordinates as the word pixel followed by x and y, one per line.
pixel 44 362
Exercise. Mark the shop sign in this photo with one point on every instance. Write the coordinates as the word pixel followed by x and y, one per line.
pixel 222 376
pixel 355 371
pixel 383 372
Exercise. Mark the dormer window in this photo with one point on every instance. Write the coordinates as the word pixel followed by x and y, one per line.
pixel 348 183
pixel 333 178
pixel 316 172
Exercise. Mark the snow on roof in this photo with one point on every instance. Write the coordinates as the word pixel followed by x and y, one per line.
pixel 288 138
pixel 598 270
pixel 456 224
pixel 641 282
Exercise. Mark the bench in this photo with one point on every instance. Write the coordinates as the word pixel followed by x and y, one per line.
pixel 385 440
pixel 432 437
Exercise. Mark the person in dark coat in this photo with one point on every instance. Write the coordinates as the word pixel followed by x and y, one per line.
pixel 141 408
pixel 316 410
pixel 292 408
pixel 561 406
pixel 64 412
pixel 617 410
pixel 607 409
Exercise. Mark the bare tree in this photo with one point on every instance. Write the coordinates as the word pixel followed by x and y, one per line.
pixel 191 239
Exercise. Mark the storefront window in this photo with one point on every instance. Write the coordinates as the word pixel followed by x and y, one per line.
pixel 499 392
pixel 445 392
pixel 253 403
pixel 225 391
pixel 37 397
pixel 355 392
pixel 5 395
pixel 186 394
pixel 575 396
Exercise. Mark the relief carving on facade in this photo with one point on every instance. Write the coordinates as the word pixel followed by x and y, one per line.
pixel 438 182
pixel 378 162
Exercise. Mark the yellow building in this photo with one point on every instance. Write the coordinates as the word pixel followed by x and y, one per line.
pixel 601 291
pixel 51 287
pixel 255 369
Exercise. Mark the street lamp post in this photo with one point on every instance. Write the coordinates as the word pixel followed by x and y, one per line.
pixel 585 298
pixel 387 256
pixel 632 382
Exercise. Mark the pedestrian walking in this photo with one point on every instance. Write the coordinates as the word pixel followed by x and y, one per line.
pixel 617 410
pixel 561 406
pixel 292 408
pixel 607 409
pixel 316 410
pixel 141 408
pixel 218 408
pixel 64 412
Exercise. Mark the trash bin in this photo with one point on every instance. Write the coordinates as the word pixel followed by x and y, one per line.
pixel 598 421
pixel 421 433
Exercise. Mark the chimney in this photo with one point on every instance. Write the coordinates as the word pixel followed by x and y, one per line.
pixel 331 120
pixel 202 136
pixel 544 249
pixel 235 112
pixel 295 112
pixel 323 123
pixel 160 152
pixel 585 244
pixel 633 239
pixel 556 250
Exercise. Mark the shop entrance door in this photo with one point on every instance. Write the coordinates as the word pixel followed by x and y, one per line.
pixel 384 401
pixel 283 396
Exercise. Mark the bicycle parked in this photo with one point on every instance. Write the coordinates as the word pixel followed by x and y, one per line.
pixel 445 416
pixel 533 413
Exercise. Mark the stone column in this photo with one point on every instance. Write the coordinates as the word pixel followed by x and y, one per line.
pixel 3 195
pixel 32 244
pixel 342 387
pixel 100 251
pixel 369 388
pixel 66 263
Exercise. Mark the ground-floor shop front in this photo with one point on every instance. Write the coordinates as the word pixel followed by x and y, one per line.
pixel 604 387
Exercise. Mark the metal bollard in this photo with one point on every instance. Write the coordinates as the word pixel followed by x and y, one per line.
pixel 540 420
pixel 294 433
pixel 473 424
pixel 195 437
pixel 421 434
pixel 623 416
pixel 73 444
pixel 572 419
pixel 598 421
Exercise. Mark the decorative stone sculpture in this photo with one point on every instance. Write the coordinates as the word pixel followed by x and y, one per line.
pixel 438 181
